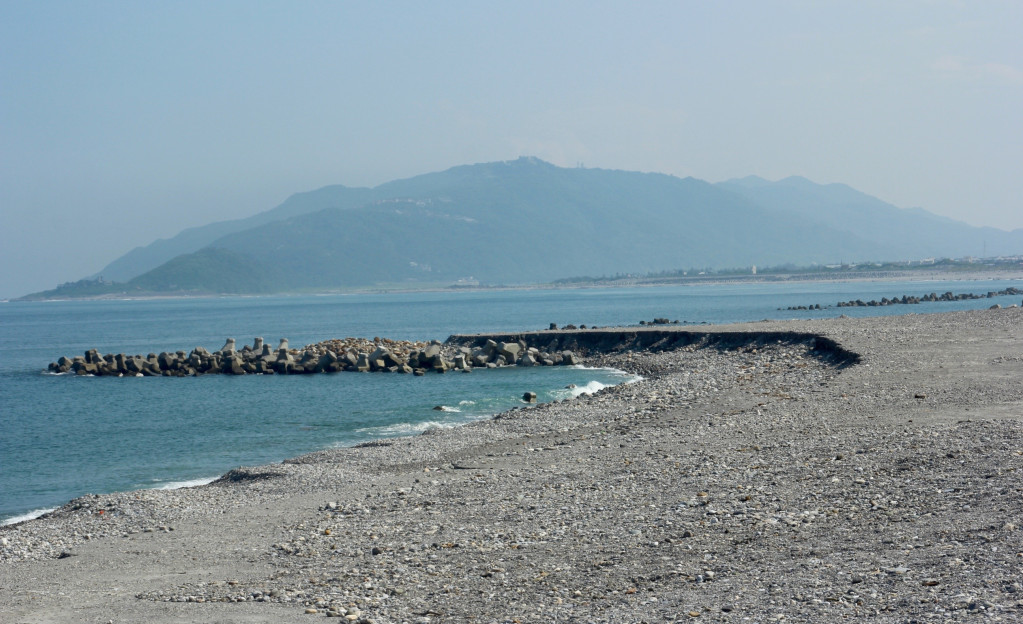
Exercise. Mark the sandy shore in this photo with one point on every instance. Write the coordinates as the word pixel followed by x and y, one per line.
pixel 760 483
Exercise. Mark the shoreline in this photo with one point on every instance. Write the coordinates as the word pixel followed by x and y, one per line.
pixel 737 480
pixel 173 483
pixel 904 276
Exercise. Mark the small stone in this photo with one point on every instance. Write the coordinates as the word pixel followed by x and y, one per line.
pixel 311 610
pixel 929 582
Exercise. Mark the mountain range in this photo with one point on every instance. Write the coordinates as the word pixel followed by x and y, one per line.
pixel 528 221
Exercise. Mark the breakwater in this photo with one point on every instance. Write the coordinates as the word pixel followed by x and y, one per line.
pixel 594 342
pixel 330 356
pixel 913 300
pixel 458 352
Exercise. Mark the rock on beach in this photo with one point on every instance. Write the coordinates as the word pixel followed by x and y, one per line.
pixel 810 471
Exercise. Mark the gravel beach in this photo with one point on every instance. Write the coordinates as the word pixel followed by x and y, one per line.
pixel 758 481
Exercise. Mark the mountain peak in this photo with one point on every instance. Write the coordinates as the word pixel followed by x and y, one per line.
pixel 750 181
pixel 798 181
pixel 529 160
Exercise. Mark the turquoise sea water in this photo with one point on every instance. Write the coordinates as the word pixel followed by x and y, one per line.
pixel 65 436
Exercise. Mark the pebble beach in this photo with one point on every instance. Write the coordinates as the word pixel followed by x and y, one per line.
pixel 758 481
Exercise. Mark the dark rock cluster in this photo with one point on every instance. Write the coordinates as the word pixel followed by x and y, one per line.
pixel 911 299
pixel 933 297
pixel 659 321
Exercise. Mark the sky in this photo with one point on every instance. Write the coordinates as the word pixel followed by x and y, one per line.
pixel 125 122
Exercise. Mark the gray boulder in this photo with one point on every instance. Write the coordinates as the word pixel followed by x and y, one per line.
pixel 167 361
pixel 309 360
pixel 432 350
pixel 509 350
pixel 234 365
pixel 81 367
pixel 326 363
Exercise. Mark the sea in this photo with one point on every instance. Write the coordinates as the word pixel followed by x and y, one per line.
pixel 64 436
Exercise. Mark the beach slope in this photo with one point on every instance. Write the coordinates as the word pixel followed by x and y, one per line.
pixel 748 478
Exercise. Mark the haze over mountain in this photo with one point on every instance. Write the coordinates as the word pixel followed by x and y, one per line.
pixel 125 122
pixel 527 221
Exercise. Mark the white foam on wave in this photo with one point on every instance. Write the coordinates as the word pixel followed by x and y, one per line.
pixel 627 377
pixel 32 515
pixel 404 429
pixel 177 485
pixel 53 374
pixel 574 391
pixel 589 388
pixel 447 408
pixel 593 385
pixel 467 402
pixel 173 485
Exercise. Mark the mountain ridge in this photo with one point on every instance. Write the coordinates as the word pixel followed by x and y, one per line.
pixel 195 238
pixel 529 221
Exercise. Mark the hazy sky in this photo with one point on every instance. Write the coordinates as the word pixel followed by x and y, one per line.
pixel 123 122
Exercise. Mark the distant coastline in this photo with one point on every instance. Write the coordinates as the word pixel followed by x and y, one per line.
pixel 1011 272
